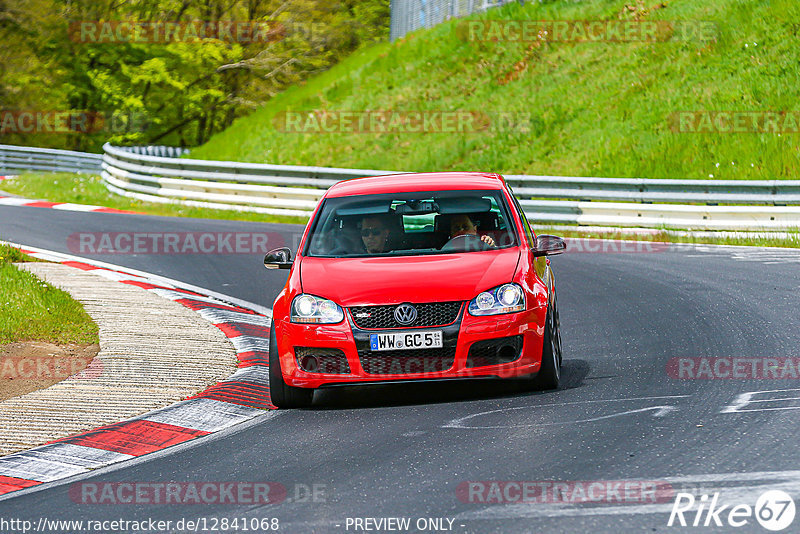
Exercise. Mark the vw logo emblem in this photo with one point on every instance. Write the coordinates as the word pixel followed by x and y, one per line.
pixel 405 314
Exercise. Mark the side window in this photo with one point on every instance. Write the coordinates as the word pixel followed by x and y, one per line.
pixel 525 224
pixel 501 222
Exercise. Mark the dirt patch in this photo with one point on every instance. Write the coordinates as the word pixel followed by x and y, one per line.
pixel 33 365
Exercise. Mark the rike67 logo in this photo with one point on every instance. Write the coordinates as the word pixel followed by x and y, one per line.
pixel 774 510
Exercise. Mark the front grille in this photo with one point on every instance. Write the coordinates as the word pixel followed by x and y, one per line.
pixel 494 351
pixel 406 362
pixel 321 360
pixel 429 314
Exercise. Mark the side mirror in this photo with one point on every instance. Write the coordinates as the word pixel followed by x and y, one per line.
pixel 549 245
pixel 279 258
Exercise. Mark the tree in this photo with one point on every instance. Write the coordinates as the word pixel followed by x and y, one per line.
pixel 175 91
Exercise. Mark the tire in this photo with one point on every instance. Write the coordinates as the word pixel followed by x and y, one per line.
pixel 549 375
pixel 282 394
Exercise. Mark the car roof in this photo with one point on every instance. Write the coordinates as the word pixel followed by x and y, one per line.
pixel 409 182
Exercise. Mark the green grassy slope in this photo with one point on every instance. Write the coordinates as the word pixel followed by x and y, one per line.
pixel 596 109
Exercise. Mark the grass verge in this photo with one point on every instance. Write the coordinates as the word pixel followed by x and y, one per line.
pixel 574 108
pixel 87 189
pixel 31 310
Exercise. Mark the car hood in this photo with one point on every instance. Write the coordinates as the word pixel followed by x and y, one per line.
pixel 391 280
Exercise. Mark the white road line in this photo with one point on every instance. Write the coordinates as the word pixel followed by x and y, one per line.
pixel 76 207
pixel 14 201
pixel 735 477
pixel 179 295
pixel 250 344
pixel 38 469
pixel 57 460
pixel 256 374
pixel 660 411
pixel 225 316
pixel 767 256
pixel 77 455
pixel 734 488
pixel 744 399
pixel 117 276
pixel 203 414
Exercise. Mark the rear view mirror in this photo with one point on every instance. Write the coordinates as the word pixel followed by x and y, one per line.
pixel 279 258
pixel 549 245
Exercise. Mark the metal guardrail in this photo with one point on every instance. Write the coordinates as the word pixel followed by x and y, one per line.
pixel 295 190
pixel 16 159
pixel 272 189
pixel 650 190
pixel 156 174
pixel 410 15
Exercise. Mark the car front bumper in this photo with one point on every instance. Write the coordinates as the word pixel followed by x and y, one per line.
pixel 364 366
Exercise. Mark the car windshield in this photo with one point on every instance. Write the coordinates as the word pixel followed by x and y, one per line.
pixel 406 224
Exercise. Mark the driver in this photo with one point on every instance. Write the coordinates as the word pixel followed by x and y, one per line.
pixel 375 234
pixel 462 224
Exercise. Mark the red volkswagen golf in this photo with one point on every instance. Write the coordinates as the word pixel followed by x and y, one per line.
pixel 415 277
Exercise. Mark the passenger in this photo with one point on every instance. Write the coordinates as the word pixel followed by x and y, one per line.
pixel 462 224
pixel 375 234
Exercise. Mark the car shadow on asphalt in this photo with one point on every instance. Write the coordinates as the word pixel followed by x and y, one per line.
pixel 573 373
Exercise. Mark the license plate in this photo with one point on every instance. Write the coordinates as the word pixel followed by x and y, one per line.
pixel 430 339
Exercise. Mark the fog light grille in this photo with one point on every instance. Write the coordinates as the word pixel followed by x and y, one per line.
pixel 494 351
pixel 322 360
pixel 406 362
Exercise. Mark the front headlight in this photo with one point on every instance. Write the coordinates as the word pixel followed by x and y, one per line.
pixel 508 298
pixel 311 309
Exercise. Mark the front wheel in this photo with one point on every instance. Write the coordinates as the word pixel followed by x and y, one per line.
pixel 549 375
pixel 282 394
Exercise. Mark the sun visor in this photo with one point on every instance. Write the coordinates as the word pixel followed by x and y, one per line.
pixel 449 205
pixel 365 208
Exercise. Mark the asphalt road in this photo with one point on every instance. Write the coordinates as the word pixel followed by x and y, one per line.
pixel 431 451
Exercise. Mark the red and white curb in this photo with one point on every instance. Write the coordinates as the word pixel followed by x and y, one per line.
pixel 242 396
pixel 64 206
